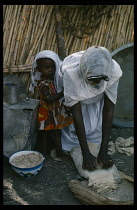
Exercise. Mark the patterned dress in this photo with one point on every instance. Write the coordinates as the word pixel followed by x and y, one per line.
pixel 52 115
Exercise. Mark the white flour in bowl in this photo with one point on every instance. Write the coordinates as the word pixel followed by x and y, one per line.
pixel 27 160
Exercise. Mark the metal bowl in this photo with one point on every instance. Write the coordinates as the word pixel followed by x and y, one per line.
pixel 124 109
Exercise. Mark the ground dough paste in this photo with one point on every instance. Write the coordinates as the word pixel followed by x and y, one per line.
pixel 100 179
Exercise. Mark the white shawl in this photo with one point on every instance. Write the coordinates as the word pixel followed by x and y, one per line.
pixel 36 75
pixel 92 62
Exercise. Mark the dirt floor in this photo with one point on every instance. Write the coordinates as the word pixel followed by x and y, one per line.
pixel 50 185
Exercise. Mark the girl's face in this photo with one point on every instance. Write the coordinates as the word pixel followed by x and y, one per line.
pixel 47 67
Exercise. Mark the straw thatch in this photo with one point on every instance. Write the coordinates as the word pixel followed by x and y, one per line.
pixel 29 29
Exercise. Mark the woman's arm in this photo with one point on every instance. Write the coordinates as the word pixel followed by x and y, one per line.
pixel 89 161
pixel 107 115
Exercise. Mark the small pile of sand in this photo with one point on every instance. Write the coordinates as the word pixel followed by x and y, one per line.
pixel 27 160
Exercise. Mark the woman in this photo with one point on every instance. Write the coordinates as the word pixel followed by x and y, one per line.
pixel 90 80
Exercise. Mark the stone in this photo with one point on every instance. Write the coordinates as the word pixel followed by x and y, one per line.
pixel 19 126
pixel 100 179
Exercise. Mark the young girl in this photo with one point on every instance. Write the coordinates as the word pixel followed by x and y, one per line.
pixel 52 114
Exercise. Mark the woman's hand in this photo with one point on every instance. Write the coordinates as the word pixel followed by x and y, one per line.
pixel 89 162
pixel 104 159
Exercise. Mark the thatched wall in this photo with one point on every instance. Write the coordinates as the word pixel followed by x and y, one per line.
pixel 29 29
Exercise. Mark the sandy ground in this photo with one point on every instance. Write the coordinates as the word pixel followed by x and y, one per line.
pixel 50 185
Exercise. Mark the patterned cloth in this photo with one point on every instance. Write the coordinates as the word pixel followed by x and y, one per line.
pixel 52 115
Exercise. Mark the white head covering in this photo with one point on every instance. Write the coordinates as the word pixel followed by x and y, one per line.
pixel 92 62
pixel 96 61
pixel 37 75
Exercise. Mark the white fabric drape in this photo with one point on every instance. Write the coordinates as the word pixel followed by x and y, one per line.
pixel 92 117
pixel 75 70
pixel 36 75
pixel 78 66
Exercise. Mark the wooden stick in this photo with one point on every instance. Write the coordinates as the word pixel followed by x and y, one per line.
pixel 21 34
pixel 129 23
pixel 75 40
pixel 50 32
pixel 4 10
pixel 53 43
pixel 122 16
pixel 7 21
pixel 97 40
pixel 37 30
pixel 68 34
pixel 45 34
pixel 27 33
pixel 43 41
pixel 19 68
pixel 132 25
pixel 113 29
pixel 71 36
pixel 110 24
pixel 10 37
pixel 34 24
pixel 59 33
pixel 6 26
pixel 125 20
pixel 14 35
pixel 19 26
pixel 37 42
pixel 102 29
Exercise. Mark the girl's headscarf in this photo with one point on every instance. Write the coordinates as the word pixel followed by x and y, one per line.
pixel 36 75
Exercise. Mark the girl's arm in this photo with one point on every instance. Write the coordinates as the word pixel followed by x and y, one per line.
pixel 50 99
